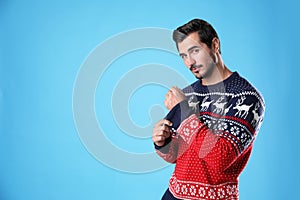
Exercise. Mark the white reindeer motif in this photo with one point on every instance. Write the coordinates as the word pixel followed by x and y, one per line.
pixel 242 109
pixel 256 117
pixel 219 105
pixel 205 104
pixel 192 103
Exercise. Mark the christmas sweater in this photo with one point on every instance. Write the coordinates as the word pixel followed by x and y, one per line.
pixel 212 138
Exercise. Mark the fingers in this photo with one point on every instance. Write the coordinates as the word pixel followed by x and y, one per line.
pixel 162 122
pixel 163 125
pixel 173 97
pixel 167 122
pixel 161 137
pixel 161 132
pixel 177 93
pixel 175 89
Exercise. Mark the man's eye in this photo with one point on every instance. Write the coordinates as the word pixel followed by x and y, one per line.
pixel 196 50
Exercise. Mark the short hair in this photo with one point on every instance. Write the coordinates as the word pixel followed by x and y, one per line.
pixel 205 32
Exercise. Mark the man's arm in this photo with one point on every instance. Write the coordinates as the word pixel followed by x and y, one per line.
pixel 164 134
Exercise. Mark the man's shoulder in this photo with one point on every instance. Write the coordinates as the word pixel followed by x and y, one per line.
pixel 241 86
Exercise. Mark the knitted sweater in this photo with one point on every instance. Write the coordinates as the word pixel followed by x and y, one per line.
pixel 213 134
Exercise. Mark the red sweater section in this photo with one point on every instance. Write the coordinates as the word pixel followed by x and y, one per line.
pixel 215 129
pixel 207 164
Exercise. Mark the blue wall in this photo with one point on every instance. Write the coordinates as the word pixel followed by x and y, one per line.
pixel 43 45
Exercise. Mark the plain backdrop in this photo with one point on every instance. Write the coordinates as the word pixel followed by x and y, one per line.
pixel 44 43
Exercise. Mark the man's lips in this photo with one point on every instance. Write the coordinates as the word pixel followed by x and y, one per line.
pixel 195 68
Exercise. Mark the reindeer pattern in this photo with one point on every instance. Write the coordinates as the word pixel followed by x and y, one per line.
pixel 225 105
pixel 243 109
pixel 256 117
pixel 219 105
pixel 205 103
pixel 193 103
pixel 234 112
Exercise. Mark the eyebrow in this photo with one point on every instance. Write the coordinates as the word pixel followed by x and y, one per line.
pixel 190 49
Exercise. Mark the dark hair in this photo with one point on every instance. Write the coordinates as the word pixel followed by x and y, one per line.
pixel 205 31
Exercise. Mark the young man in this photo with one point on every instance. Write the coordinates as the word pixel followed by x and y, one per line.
pixel 211 125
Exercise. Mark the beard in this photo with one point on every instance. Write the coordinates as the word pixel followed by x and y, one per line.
pixel 208 69
pixel 208 72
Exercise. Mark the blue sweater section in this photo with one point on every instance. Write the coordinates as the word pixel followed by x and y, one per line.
pixel 232 90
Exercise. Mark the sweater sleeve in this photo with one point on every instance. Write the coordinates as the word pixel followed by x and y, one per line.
pixel 169 151
pixel 221 139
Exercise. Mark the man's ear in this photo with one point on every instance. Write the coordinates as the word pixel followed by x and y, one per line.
pixel 215 45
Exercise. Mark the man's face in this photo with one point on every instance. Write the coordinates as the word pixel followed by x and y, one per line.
pixel 197 56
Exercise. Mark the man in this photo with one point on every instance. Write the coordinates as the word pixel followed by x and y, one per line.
pixel 211 125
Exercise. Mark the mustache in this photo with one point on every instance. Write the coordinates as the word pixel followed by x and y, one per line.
pixel 195 67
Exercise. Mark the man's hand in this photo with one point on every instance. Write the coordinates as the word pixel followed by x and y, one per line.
pixel 161 132
pixel 173 97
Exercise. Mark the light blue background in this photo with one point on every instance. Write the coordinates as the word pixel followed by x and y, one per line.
pixel 44 43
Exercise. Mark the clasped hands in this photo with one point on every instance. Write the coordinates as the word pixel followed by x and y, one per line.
pixel 161 130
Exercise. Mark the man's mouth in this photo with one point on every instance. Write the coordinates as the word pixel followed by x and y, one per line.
pixel 195 68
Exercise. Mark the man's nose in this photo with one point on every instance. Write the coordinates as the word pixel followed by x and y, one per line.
pixel 190 61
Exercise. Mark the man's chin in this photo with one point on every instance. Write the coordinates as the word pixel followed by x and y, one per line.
pixel 198 76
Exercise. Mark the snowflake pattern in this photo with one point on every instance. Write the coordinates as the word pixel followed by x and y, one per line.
pixel 186 189
pixel 238 134
pixel 221 193
pixel 194 124
pixel 177 188
pixel 247 143
pixel 231 189
pixel 244 137
pixel 186 131
pixel 212 193
pixel 193 190
pixel 208 123
pixel 222 126
pixel 202 192
pixel 235 130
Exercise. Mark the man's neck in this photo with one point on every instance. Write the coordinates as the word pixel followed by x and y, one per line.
pixel 220 73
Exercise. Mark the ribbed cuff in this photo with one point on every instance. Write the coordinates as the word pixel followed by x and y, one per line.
pixel 164 148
